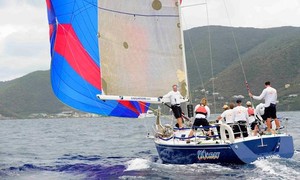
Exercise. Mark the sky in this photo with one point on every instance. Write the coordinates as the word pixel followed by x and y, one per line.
pixel 24 34
pixel 241 13
pixel 24 38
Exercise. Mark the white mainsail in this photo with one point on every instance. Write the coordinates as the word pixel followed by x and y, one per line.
pixel 141 49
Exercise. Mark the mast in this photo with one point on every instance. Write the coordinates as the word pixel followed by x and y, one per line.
pixel 183 50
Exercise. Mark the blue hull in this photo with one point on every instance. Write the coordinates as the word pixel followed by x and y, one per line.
pixel 235 153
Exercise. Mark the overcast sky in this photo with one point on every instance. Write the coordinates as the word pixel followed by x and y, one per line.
pixel 24 40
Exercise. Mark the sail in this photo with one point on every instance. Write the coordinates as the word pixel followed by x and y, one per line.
pixel 115 48
pixel 141 47
pixel 75 59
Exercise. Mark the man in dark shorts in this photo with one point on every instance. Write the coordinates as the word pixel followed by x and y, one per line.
pixel 175 99
pixel 176 111
pixel 269 94
pixel 202 112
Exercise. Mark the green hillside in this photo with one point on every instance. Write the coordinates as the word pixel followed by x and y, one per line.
pixel 267 55
pixel 29 94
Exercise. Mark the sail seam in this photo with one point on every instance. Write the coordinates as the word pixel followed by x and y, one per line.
pixel 135 14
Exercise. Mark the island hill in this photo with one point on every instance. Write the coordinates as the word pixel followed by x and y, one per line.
pixel 267 55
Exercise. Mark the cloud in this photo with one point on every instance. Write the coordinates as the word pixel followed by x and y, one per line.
pixel 24 44
pixel 241 13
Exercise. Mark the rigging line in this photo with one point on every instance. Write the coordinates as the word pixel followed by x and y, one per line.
pixel 133 14
pixel 79 69
pixel 211 59
pixel 156 110
pixel 80 72
pixel 237 49
pixel 68 45
pixel 145 125
pixel 192 5
pixel 166 116
pixel 194 56
pixel 86 83
pixel 88 7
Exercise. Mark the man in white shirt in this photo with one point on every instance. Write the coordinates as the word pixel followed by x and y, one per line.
pixel 227 114
pixel 261 118
pixel 260 111
pixel 175 99
pixel 269 94
pixel 240 113
pixel 225 117
pixel 240 117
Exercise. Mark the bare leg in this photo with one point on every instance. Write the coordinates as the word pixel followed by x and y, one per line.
pixel 179 121
pixel 277 123
pixel 268 124
pixel 209 132
pixel 191 133
pixel 255 130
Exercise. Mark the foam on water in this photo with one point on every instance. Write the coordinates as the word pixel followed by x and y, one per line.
pixel 265 166
pixel 276 167
pixel 138 164
pixel 194 171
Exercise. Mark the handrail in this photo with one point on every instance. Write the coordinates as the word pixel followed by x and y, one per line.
pixel 199 127
pixel 185 138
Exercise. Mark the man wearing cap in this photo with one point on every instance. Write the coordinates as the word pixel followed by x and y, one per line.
pixel 269 94
pixel 240 113
pixel 241 119
pixel 227 114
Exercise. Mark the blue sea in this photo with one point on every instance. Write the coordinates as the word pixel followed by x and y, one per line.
pixel 115 148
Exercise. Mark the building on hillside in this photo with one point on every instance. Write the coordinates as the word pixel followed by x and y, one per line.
pixel 293 95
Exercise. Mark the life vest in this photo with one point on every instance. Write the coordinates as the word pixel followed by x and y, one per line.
pixel 250 111
pixel 201 110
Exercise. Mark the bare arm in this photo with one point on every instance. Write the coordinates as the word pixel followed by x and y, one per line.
pixel 208 112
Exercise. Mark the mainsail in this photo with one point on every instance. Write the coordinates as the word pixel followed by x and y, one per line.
pixel 140 47
pixel 116 47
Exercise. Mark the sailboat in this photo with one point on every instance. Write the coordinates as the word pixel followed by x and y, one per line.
pixel 116 57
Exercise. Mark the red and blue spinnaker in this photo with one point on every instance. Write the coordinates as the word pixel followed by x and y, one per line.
pixel 75 59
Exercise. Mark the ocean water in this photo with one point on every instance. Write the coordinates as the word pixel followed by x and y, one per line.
pixel 114 148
